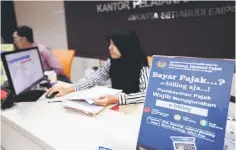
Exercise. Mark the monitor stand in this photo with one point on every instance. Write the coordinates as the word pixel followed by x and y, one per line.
pixel 29 96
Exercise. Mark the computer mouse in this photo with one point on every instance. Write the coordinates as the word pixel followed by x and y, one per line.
pixel 52 95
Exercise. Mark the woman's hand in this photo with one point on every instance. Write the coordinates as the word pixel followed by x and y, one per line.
pixel 106 100
pixel 61 91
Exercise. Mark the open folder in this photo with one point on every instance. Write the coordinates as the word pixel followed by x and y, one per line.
pixel 82 100
pixel 83 106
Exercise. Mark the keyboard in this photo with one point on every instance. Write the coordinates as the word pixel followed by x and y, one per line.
pixel 29 96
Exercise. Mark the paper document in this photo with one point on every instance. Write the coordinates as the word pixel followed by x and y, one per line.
pixel 83 106
pixel 88 94
pixel 83 100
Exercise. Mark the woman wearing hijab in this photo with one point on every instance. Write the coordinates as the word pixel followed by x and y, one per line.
pixel 127 68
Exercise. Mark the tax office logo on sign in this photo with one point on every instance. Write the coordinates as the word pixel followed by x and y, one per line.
pixel 161 64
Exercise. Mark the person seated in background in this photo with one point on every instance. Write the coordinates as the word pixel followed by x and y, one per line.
pixel 127 68
pixel 23 38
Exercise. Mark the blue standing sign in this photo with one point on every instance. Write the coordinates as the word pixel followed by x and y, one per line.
pixel 186 104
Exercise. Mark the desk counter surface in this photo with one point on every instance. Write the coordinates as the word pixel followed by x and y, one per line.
pixel 51 126
pixel 48 126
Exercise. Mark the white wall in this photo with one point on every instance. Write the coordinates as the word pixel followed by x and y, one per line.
pixel 79 66
pixel 47 20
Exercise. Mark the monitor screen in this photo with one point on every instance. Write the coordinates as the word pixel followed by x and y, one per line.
pixel 25 69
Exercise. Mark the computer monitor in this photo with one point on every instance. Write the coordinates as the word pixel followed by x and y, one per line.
pixel 23 68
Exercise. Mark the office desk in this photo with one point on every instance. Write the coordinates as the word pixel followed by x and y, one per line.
pixel 48 126
pixel 42 125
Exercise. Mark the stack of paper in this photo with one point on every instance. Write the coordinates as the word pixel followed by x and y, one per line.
pixel 83 100
pixel 83 106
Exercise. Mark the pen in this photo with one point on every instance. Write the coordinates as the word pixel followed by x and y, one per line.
pixel 53 101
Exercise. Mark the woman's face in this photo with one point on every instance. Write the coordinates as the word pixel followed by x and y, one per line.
pixel 114 51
